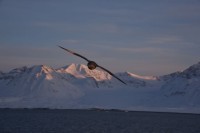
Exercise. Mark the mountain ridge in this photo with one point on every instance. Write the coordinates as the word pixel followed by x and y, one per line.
pixel 75 86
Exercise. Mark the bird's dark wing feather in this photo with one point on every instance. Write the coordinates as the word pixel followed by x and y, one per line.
pixel 111 74
pixel 74 53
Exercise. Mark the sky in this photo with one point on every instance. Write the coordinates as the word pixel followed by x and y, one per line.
pixel 144 37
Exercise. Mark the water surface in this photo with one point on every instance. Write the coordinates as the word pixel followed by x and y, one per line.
pixel 95 121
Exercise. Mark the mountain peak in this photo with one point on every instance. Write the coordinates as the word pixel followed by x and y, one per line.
pixel 82 71
pixel 19 70
pixel 42 71
pixel 75 69
pixel 192 71
pixel 197 66
pixel 42 68
pixel 138 76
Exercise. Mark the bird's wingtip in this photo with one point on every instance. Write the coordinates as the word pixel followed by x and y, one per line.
pixel 59 46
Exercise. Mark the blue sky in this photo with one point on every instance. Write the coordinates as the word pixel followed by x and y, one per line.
pixel 140 36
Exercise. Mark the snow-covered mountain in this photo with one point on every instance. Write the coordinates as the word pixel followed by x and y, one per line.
pixel 81 76
pixel 36 86
pixel 183 88
pixel 75 86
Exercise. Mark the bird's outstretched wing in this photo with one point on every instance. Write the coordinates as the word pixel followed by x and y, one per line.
pixel 74 53
pixel 112 74
pixel 89 61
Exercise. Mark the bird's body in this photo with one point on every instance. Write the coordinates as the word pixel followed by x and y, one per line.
pixel 91 64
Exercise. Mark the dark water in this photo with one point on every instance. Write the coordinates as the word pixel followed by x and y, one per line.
pixel 90 121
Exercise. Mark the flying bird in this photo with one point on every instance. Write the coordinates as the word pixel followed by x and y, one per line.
pixel 91 64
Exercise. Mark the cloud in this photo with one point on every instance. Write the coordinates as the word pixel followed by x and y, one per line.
pixel 165 40
pixel 70 41
pixel 185 10
pixel 92 27
pixel 140 50
pixel 106 28
pixel 26 52
pixel 118 12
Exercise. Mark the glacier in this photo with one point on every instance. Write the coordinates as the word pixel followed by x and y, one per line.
pixel 76 87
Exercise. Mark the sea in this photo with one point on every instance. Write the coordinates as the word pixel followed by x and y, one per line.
pixel 95 121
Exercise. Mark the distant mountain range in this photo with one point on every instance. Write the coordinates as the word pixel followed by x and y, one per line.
pixel 75 86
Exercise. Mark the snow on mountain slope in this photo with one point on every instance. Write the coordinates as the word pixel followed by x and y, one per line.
pixel 137 80
pixel 183 88
pixel 142 77
pixel 82 71
pixel 192 72
pixel 36 86
pixel 80 75
pixel 75 86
